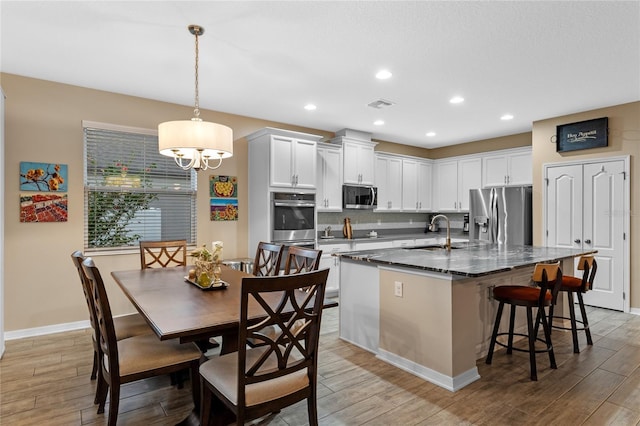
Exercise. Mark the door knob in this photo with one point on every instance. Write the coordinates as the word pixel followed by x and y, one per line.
pixel 577 241
pixel 587 241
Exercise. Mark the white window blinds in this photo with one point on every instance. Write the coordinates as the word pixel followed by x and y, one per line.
pixel 132 192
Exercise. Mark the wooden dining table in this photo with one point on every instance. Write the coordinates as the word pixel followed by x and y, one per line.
pixel 177 309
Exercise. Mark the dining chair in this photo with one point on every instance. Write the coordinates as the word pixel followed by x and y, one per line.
pixel 125 326
pixel 162 254
pixel 253 382
pixel 134 358
pixel 570 285
pixel 300 259
pixel 267 260
pixel 548 278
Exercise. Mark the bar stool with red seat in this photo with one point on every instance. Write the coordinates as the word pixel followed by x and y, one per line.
pixel 548 278
pixel 571 285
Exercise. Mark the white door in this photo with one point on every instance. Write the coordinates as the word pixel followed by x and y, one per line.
pixel 585 208
pixel 333 179
pixel 469 177
pixel 282 172
pixel 409 185
pixel 305 164
pixel 604 231
pixel 564 206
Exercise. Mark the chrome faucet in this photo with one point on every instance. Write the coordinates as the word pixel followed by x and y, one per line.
pixel 448 243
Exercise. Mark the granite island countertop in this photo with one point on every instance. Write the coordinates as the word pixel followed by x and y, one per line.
pixel 470 259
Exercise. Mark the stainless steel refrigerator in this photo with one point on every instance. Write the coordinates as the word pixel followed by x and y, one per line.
pixel 501 215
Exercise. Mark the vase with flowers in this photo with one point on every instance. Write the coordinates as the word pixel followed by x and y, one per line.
pixel 208 265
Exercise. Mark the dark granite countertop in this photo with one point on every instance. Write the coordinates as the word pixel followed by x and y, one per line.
pixel 470 259
pixel 390 235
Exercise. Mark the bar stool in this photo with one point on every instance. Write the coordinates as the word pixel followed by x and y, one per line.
pixel 548 278
pixel 572 285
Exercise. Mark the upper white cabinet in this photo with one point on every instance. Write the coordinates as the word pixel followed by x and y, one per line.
pixel 329 182
pixel 293 162
pixel 389 181
pixel 416 185
pixel 358 158
pixel 453 180
pixel 511 167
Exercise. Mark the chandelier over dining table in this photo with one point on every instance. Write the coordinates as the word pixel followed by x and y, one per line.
pixel 195 144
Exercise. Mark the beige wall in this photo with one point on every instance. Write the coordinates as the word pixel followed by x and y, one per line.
pixel 624 139
pixel 44 124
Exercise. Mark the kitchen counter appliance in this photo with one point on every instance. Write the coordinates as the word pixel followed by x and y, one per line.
pixel 359 197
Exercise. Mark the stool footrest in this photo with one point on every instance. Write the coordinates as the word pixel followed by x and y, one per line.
pixel 538 339
pixel 559 327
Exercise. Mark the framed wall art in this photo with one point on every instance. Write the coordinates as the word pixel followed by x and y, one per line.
pixel 43 207
pixel 43 177
pixel 582 135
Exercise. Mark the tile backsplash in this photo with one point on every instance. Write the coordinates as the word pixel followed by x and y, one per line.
pixel 372 221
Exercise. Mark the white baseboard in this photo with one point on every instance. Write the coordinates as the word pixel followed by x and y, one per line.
pixel 48 329
pixel 634 311
pixel 450 383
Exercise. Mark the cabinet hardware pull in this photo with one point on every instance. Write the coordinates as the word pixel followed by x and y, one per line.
pixel 587 241
pixel 577 241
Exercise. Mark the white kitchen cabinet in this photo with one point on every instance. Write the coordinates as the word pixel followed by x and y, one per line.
pixel 358 160
pixel 453 180
pixel 372 245
pixel 329 180
pixel 327 260
pixel 416 185
pixel 293 162
pixel 403 243
pixel 388 179
pixel 509 167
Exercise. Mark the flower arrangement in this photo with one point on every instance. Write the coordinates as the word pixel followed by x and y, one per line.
pixel 207 264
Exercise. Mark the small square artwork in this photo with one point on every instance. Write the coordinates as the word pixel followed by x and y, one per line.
pixel 43 177
pixel 224 209
pixel 43 207
pixel 223 186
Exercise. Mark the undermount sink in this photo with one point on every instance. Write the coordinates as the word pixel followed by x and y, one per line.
pixel 432 248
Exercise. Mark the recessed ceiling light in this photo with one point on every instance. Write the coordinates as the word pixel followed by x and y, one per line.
pixel 456 100
pixel 430 134
pixel 383 74
pixel 507 117
pixel 378 123
pixel 310 107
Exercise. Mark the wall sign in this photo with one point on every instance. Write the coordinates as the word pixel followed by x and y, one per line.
pixel 582 135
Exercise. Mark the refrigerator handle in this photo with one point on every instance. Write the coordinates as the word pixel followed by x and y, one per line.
pixel 493 224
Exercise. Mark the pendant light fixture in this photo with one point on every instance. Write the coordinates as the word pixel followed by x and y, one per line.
pixel 195 144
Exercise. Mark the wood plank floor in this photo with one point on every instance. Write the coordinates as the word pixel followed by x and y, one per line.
pixel 45 381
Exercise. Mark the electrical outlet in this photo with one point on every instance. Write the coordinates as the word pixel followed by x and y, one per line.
pixel 398 289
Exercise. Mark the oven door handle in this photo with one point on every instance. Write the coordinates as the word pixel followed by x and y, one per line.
pixel 280 204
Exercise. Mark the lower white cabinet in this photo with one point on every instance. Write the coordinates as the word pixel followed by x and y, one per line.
pixel 327 260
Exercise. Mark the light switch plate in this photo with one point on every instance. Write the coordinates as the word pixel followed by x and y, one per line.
pixel 397 289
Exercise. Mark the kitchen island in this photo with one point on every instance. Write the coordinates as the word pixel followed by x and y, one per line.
pixel 430 311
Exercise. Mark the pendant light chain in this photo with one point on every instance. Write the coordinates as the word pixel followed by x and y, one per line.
pixel 196 111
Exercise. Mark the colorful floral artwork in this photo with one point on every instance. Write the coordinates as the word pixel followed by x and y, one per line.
pixel 43 177
pixel 224 209
pixel 223 186
pixel 44 207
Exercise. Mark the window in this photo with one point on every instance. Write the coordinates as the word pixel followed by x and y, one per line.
pixel 132 192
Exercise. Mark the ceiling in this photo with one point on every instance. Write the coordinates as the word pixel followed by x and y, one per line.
pixel 261 59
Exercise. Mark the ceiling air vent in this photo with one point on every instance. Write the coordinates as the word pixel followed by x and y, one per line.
pixel 380 103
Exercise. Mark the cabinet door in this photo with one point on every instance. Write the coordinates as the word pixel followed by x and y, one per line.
pixel 329 180
pixel 494 170
pixel 425 202
pixel 447 186
pixel 520 169
pixel 388 181
pixel 333 280
pixel 304 160
pixel 469 177
pixel 281 171
pixel 366 158
pixel 351 173
pixel 409 185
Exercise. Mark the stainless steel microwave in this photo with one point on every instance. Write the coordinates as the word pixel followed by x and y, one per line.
pixel 359 197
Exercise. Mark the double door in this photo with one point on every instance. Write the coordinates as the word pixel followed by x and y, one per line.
pixel 585 209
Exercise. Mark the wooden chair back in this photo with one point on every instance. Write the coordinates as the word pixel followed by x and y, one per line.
pixel 301 259
pixel 588 265
pixel 162 254
pixel 78 258
pixel 293 349
pixel 549 277
pixel 105 332
pixel 267 260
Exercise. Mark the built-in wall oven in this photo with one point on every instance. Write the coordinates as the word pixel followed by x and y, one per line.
pixel 293 220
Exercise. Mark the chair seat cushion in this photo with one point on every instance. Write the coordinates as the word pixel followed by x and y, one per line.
pixel 130 325
pixel 222 373
pixel 519 292
pixel 145 353
pixel 571 283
